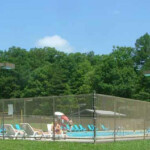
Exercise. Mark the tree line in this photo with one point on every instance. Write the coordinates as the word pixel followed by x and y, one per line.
pixel 46 72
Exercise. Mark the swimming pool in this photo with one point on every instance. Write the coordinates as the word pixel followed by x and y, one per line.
pixel 90 134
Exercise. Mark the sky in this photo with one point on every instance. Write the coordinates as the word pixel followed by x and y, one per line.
pixel 73 25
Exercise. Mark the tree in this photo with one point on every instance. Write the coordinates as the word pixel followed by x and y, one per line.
pixel 115 75
pixel 142 49
pixel 45 81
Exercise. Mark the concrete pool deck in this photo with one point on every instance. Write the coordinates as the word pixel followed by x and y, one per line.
pixel 100 139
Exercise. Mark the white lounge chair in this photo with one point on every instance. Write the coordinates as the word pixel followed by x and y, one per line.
pixel 49 128
pixel 11 132
pixel 35 133
pixel 31 132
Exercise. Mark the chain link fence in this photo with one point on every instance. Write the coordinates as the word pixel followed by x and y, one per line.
pixel 86 118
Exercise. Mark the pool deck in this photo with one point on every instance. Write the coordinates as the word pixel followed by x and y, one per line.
pixel 104 140
pixel 101 139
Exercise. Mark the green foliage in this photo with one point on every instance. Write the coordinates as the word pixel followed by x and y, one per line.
pixel 142 47
pixel 46 71
pixel 115 75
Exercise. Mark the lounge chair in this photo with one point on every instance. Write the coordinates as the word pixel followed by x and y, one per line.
pixel 90 128
pixel 13 133
pixel 77 128
pixel 17 126
pixel 104 128
pixel 70 129
pixel 31 132
pixel 73 129
pixel 67 127
pixel 1 129
pixel 147 131
pixel 49 128
pixel 82 128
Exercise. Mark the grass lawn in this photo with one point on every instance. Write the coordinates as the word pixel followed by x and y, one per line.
pixel 38 145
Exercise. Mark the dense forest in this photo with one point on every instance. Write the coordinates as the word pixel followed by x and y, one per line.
pixel 46 72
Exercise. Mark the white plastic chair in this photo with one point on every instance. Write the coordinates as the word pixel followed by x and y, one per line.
pixel 31 133
pixel 11 132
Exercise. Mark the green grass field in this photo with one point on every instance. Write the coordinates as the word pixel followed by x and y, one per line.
pixel 39 145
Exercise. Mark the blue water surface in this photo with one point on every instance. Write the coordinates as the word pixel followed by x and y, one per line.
pixel 101 133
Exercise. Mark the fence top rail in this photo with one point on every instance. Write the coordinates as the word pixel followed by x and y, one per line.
pixel 75 96
pixel 18 99
pixel 122 98
pixel 45 97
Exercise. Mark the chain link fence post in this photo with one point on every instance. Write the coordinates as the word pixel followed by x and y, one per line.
pixel 53 118
pixel 115 120
pixel 94 116
pixel 145 110
pixel 24 118
pixel 3 120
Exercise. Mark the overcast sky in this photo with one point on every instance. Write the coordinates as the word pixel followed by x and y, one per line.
pixel 73 25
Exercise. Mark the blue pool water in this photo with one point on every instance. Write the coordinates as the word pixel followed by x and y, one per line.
pixel 89 134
